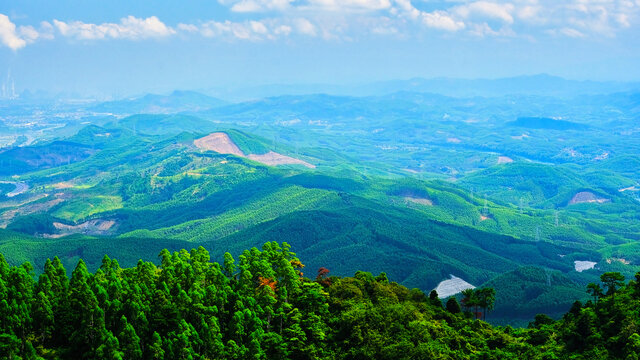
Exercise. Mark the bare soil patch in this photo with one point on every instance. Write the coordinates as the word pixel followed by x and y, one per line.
pixel 452 286
pixel 222 143
pixel 91 227
pixel 587 197
pixel 274 159
pixel 582 265
pixel 622 260
pixel 417 200
pixel 504 160
pixel 63 185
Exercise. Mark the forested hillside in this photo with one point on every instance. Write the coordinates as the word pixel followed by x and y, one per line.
pixel 434 191
pixel 261 306
pixel 135 194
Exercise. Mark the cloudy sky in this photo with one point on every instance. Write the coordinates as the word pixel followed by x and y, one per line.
pixel 123 47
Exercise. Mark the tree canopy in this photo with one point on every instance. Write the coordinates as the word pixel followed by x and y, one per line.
pixel 261 307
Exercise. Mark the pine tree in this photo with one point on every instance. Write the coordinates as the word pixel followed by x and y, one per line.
pixel 156 352
pixel 43 318
pixel 129 341
pixel 87 318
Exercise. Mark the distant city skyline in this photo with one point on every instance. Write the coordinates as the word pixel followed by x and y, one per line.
pixel 132 48
pixel 8 89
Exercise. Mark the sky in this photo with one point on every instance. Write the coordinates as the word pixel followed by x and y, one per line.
pixel 123 47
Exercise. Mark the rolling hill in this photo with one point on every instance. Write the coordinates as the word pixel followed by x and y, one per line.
pixel 413 185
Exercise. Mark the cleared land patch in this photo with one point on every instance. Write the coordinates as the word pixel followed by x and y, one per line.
pixel 222 143
pixel 582 265
pixel 452 286
pixel 417 200
pixel 274 159
pixel 587 197
pixel 91 227
pixel 504 160
pixel 621 260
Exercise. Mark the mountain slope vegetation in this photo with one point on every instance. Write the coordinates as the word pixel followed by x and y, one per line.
pixel 422 187
pixel 261 307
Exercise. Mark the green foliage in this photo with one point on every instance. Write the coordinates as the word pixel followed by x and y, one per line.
pixel 527 291
pixel 453 306
pixel 595 330
pixel 259 307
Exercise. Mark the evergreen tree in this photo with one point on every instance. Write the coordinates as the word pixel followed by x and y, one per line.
pixel 612 281
pixel 156 352
pixel 434 299
pixel 87 318
pixel 453 306
pixel 596 291
pixel 129 341
pixel 43 318
pixel 486 298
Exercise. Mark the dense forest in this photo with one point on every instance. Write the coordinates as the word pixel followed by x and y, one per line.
pixel 263 307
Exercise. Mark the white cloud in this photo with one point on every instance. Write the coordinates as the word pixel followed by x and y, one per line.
pixel 247 30
pixel 571 32
pixel 579 18
pixel 408 9
pixel 349 20
pixel 526 18
pixel 249 6
pixel 484 9
pixel 483 29
pixel 129 27
pixel 305 27
pixel 438 19
pixel 568 32
pixel 187 28
pixel 381 30
pixel 442 21
pixel 245 6
pixel 46 30
pixel 258 27
pixel 28 33
pixel 8 35
pixel 253 30
pixel 283 30
pixel 350 5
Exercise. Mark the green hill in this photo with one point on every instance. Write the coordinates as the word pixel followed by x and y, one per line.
pixel 152 124
pixel 160 191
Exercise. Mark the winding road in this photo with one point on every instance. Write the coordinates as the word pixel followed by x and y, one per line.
pixel 20 188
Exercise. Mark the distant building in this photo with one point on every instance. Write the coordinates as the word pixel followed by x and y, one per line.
pixel 8 88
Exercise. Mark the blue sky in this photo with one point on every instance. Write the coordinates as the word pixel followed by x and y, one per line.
pixel 130 47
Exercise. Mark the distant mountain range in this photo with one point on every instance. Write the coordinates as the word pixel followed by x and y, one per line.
pixel 160 104
pixel 542 85
pixel 538 85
